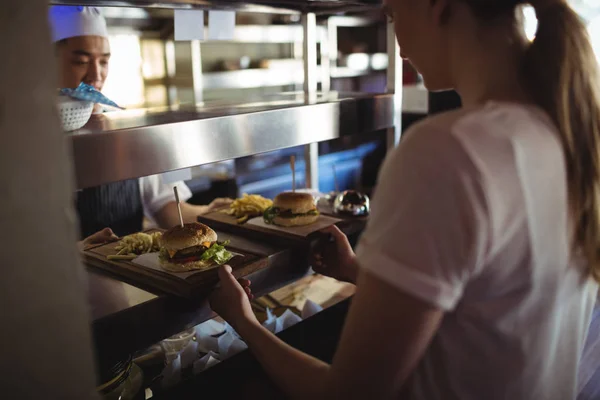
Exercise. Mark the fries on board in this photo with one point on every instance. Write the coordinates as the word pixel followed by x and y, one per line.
pixel 133 245
pixel 248 206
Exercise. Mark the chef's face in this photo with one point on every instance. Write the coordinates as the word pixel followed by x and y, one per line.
pixel 83 59
pixel 423 38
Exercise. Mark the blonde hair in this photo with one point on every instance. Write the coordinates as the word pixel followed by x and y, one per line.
pixel 560 73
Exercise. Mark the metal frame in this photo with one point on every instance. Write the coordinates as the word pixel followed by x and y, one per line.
pixel 394 85
pixel 311 150
pixel 137 143
pixel 198 86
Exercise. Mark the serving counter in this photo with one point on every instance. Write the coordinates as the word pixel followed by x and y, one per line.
pixel 128 317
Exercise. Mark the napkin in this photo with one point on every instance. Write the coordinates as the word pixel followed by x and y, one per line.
pixel 89 93
pixel 207 336
pixel 310 308
pixel 189 354
pixel 171 374
pixel 205 362
pixel 216 341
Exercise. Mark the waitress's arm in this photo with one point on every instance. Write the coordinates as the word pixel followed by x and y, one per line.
pixel 379 346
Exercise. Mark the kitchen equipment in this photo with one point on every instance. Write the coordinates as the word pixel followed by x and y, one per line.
pixel 174 344
pixel 122 382
pixel 74 114
pixel 351 202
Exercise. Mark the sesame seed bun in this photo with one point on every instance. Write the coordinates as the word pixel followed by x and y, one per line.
pixel 297 203
pixel 188 235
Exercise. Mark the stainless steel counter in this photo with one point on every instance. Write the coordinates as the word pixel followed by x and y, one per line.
pixel 131 144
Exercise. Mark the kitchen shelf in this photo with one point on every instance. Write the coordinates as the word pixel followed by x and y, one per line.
pixel 260 77
pixel 131 144
pixel 273 6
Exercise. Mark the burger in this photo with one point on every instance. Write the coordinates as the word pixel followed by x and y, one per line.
pixel 292 209
pixel 191 247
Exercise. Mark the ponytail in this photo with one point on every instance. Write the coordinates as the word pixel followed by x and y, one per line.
pixel 561 72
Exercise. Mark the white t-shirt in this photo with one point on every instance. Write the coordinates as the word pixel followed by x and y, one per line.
pixel 155 194
pixel 471 216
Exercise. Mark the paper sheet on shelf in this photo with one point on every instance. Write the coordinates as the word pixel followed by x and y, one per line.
pixel 188 24
pixel 151 261
pixel 323 222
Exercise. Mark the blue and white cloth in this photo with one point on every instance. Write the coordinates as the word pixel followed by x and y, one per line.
pixel 89 93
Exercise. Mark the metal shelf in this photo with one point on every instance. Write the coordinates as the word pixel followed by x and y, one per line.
pixel 273 6
pixel 131 144
pixel 259 77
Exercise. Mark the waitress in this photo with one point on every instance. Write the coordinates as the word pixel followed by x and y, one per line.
pixel 83 51
pixel 477 273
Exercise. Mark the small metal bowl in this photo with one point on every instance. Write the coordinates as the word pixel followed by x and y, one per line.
pixel 351 202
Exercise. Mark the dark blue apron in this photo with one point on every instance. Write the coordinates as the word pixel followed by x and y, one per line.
pixel 117 205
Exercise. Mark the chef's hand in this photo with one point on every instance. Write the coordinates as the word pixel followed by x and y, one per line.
pixel 104 236
pixel 231 299
pixel 218 203
pixel 334 256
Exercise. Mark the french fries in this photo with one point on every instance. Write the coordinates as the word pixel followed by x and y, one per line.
pixel 133 245
pixel 248 206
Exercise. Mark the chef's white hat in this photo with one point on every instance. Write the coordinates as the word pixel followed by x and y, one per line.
pixel 71 21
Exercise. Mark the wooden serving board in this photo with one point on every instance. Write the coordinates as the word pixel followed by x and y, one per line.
pixel 164 281
pixel 221 221
pixel 256 230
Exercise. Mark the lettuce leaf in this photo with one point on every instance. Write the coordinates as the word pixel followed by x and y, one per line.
pixel 269 214
pixel 218 253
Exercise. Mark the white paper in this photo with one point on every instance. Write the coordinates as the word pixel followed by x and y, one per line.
pixel 177 176
pixel 221 25
pixel 172 373
pixel 189 354
pixel 229 345
pixel 205 362
pixel 189 24
pixel 151 261
pixel 310 308
pixel 271 322
pixel 225 341
pixel 288 318
pixel 207 344
pixel 323 222
pixel 209 328
pixel 236 346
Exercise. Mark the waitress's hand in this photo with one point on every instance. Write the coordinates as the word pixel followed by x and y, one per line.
pixel 335 257
pixel 104 236
pixel 231 299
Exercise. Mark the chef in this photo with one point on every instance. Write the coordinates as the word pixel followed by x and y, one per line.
pixel 83 53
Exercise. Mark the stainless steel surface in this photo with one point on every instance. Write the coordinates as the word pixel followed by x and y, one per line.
pixel 324 73
pixel 169 60
pixel 394 85
pixel 130 144
pixel 332 45
pixel 266 77
pixel 197 71
pixel 309 27
pixel 356 20
pixel 351 202
pixel 311 159
pixel 311 151
pixel 264 6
